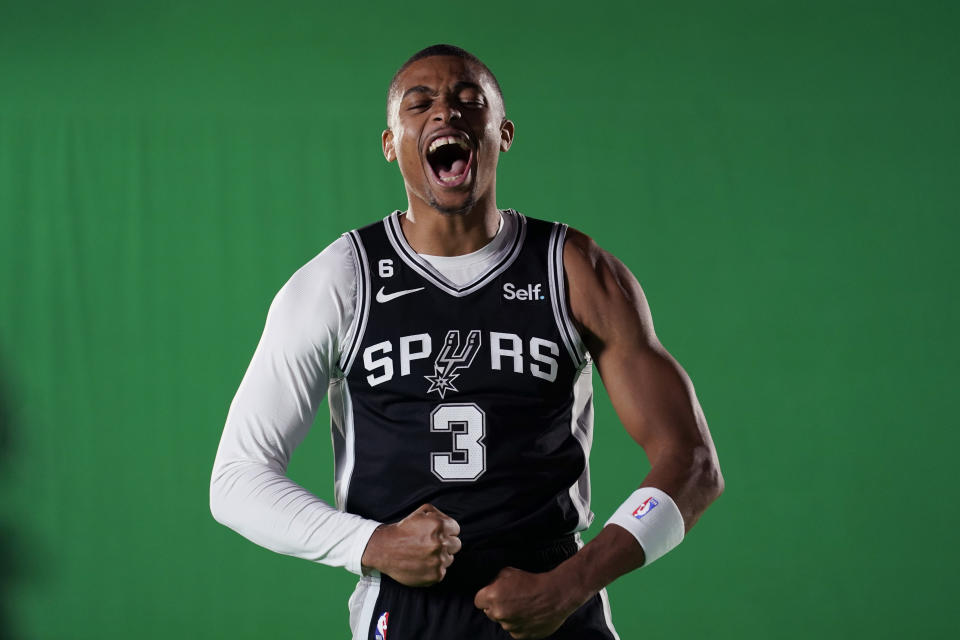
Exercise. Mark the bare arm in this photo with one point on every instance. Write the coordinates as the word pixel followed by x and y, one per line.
pixel 656 403
pixel 650 392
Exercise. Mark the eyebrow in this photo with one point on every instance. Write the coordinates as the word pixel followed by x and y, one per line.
pixel 417 89
pixel 460 86
pixel 457 88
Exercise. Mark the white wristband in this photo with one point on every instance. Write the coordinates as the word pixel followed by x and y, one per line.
pixel 654 520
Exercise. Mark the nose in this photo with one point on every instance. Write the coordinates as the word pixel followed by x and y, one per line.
pixel 445 112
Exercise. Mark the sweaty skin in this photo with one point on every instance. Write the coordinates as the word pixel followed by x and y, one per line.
pixel 650 392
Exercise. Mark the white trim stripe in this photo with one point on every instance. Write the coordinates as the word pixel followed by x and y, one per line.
pixel 341 405
pixel 556 296
pixel 395 235
pixel 604 598
pixel 567 325
pixel 607 616
pixel 363 299
pixel 361 613
pixel 581 426
pixel 348 342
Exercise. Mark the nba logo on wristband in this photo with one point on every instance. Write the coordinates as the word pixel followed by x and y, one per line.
pixel 645 507
pixel 382 626
pixel 656 533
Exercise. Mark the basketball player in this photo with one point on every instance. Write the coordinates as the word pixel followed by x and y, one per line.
pixel 456 343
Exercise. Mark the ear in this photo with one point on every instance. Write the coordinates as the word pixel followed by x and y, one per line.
pixel 506 135
pixel 387 140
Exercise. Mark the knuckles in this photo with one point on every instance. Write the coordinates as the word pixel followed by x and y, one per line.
pixel 429 539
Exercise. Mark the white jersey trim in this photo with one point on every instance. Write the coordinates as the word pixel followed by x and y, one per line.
pixel 581 426
pixel 359 325
pixel 341 415
pixel 558 297
pixel 428 271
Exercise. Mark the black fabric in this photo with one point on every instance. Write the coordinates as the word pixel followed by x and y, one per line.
pixel 530 457
pixel 446 610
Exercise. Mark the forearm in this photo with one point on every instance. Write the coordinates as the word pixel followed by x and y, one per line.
pixel 274 512
pixel 611 554
pixel 692 480
pixel 690 475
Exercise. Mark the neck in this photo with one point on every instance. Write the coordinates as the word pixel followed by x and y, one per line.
pixel 434 233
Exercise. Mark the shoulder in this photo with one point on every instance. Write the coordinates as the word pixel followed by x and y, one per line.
pixel 593 270
pixel 579 250
pixel 337 260
pixel 328 281
pixel 605 297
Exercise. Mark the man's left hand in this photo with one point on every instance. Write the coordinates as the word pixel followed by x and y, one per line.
pixel 527 605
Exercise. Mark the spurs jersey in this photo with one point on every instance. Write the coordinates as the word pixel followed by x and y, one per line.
pixel 476 398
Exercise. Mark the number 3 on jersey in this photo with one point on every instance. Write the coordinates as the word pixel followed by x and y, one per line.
pixel 468 458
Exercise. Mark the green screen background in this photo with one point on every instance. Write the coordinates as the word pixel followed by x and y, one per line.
pixel 780 176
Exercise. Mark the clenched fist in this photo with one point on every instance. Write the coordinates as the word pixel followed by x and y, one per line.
pixel 527 605
pixel 417 550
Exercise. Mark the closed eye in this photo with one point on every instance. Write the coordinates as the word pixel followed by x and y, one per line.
pixel 471 99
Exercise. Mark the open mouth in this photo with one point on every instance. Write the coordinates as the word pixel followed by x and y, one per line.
pixel 449 158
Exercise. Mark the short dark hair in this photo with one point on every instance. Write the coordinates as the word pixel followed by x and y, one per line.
pixel 441 50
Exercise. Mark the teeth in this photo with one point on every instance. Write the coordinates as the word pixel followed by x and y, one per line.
pixel 439 142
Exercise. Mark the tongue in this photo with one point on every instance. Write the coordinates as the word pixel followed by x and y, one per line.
pixel 457 168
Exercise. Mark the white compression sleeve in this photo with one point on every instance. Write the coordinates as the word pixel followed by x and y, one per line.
pixel 272 412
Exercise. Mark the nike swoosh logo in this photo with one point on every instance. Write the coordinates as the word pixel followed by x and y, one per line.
pixel 387 297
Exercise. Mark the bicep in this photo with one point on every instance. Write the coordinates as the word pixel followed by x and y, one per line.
pixel 652 395
pixel 650 392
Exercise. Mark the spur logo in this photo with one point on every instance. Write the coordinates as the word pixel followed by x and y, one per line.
pixel 451 358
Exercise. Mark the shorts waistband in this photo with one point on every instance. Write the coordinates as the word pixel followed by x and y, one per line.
pixel 476 566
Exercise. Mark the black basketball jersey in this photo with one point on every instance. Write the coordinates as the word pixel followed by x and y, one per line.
pixel 474 398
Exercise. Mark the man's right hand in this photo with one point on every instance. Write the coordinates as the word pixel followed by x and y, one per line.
pixel 415 551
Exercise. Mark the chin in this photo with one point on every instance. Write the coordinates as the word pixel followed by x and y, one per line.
pixel 453 209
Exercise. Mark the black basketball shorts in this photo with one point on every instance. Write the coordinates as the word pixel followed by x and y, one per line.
pixel 383 609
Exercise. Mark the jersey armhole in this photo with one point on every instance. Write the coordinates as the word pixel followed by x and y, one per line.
pixel 359 324
pixel 562 312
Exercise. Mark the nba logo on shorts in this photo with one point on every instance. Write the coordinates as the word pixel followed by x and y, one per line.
pixel 382 626
pixel 645 508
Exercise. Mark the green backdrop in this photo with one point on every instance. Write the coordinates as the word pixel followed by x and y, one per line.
pixel 780 176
